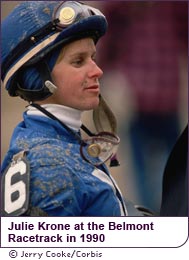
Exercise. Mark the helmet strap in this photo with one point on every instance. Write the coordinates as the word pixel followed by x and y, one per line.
pixel 105 121
pixel 103 117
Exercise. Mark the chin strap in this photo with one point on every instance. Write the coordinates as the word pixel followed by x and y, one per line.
pixel 37 94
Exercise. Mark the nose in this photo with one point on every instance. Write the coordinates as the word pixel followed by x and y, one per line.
pixel 95 70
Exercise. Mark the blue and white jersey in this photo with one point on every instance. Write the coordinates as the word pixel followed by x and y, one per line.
pixel 62 183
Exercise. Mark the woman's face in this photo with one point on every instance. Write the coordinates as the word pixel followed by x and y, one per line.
pixel 76 76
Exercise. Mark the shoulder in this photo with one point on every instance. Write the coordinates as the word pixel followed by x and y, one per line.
pixel 53 152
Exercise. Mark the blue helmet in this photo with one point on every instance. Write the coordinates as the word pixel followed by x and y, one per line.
pixel 32 36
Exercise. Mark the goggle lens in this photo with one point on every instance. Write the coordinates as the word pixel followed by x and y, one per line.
pixel 98 149
pixel 71 12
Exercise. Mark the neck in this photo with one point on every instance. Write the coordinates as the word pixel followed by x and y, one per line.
pixel 69 116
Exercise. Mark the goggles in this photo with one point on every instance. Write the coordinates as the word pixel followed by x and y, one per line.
pixel 32 49
pixel 70 12
pixel 99 148
pixel 96 149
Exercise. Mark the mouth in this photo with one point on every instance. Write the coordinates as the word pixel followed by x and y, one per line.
pixel 93 88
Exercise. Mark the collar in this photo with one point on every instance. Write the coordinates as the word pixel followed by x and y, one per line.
pixel 69 116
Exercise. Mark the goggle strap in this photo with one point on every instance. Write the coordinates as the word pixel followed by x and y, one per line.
pixel 25 58
pixel 47 113
pixel 86 130
pixel 26 44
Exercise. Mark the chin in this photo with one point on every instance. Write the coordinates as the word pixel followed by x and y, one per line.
pixel 86 105
pixel 92 104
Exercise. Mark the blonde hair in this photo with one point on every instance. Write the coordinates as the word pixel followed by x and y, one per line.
pixel 61 55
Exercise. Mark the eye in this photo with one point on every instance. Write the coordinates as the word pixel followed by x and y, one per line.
pixel 93 57
pixel 77 62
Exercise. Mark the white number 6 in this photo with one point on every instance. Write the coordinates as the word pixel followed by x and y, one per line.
pixel 15 189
